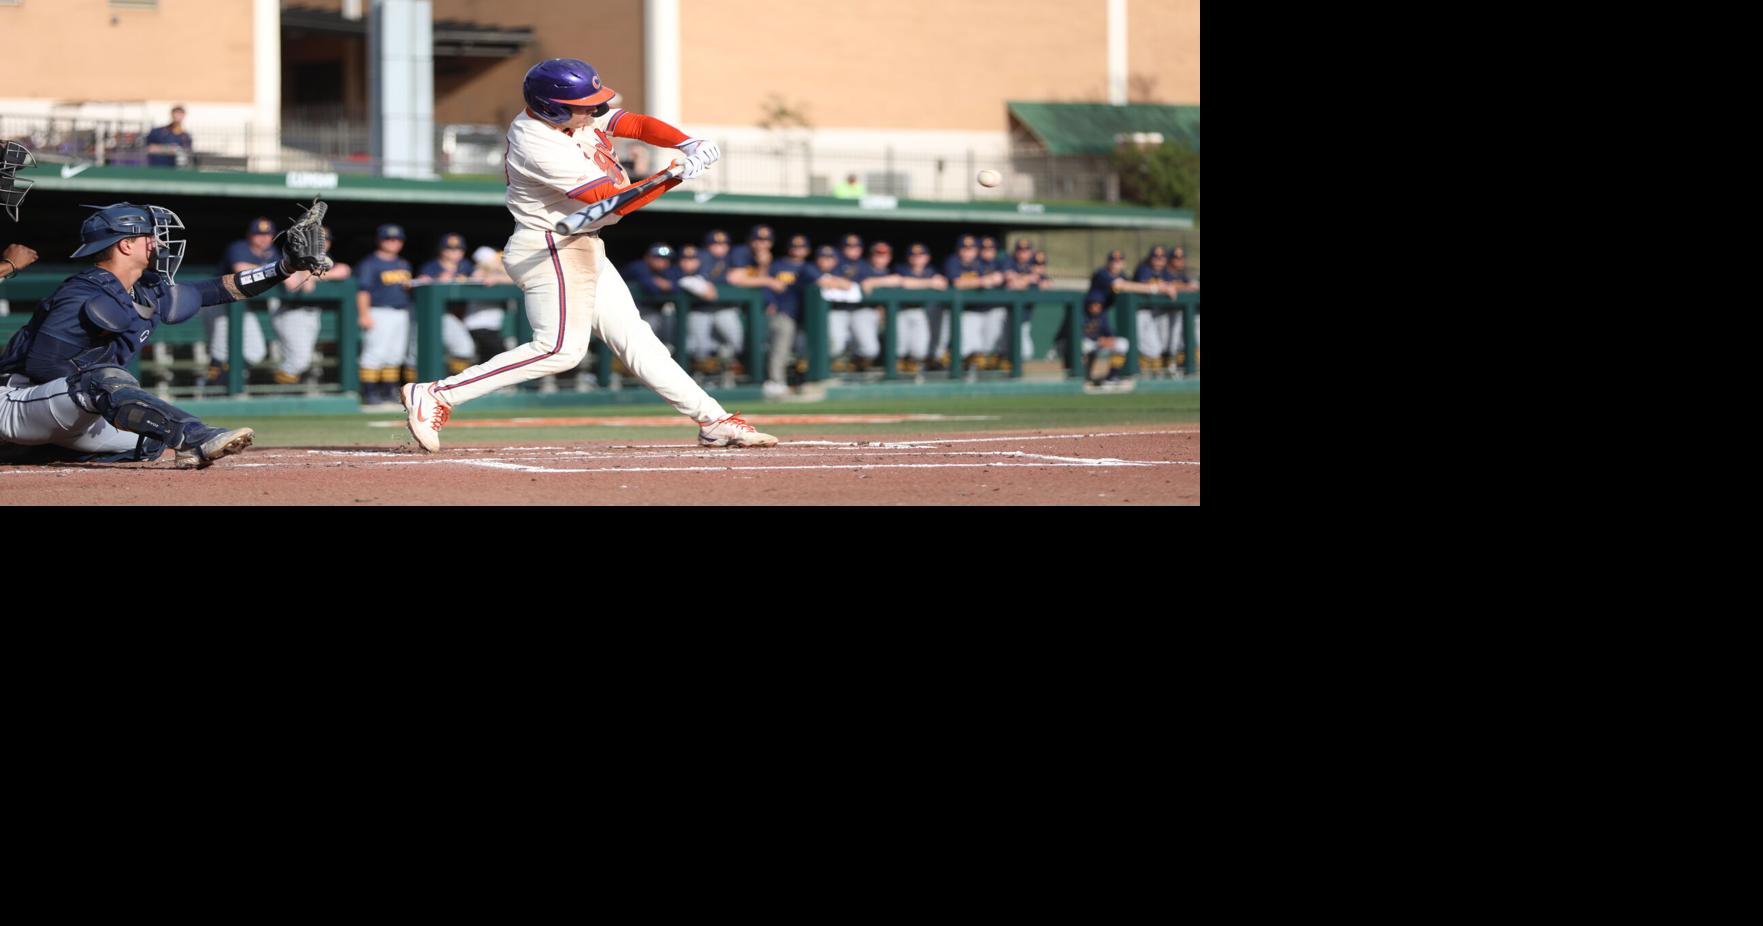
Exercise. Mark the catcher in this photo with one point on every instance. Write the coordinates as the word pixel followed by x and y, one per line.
pixel 65 390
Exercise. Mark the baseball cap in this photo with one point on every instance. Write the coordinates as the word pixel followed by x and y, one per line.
pixel 966 241
pixel 917 248
pixel 689 252
pixel 852 241
pixel 1023 244
pixel 389 230
pixel 660 249
pixel 1116 254
pixel 799 241
pixel 717 236
pixel 827 250
pixel 260 226
pixel 452 241
pixel 1158 250
pixel 988 242
pixel 760 233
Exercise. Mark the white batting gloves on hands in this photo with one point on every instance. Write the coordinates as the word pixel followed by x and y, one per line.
pixel 696 165
pixel 693 147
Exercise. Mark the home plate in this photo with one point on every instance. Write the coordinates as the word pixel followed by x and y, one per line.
pixel 674 421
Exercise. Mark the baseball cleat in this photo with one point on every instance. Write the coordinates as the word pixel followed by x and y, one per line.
pixel 223 443
pixel 425 414
pixel 733 431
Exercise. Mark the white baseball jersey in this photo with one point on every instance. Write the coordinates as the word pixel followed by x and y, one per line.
pixel 547 167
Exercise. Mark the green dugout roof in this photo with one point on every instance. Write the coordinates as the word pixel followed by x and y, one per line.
pixel 108 183
pixel 1089 128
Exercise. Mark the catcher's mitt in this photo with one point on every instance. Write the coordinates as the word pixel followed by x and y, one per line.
pixel 303 242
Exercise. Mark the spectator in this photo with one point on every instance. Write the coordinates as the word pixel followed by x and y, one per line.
pixel 714 331
pixel 914 336
pixel 852 188
pixel 656 280
pixel 15 258
pixel 484 318
pixel 296 323
pixel 965 270
pixel 1021 273
pixel 788 276
pixel 254 250
pixel 845 320
pixel 169 145
pixel 450 265
pixel 383 310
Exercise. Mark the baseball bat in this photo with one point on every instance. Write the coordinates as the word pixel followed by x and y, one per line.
pixel 604 207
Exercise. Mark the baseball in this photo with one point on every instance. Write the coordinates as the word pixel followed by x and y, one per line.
pixel 990 178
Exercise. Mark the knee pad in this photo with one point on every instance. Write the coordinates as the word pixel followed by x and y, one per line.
pixel 111 392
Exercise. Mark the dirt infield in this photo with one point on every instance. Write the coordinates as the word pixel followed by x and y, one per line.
pixel 1138 467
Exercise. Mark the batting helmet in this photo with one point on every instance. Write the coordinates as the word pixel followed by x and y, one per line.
pixel 554 85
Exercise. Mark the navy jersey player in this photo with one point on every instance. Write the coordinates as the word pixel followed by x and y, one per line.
pixel 255 249
pixel 64 384
pixel 383 307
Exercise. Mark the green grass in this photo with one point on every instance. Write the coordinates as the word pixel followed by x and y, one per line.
pixel 1013 413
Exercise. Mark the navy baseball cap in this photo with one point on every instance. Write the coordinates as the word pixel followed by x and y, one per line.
pixel 760 233
pixel 450 241
pixel 1023 244
pixel 853 241
pixel 716 237
pixel 660 249
pixel 988 242
pixel 260 226
pixel 1116 254
pixel 827 250
pixel 917 249
pixel 966 241
pixel 799 241
pixel 1158 250
pixel 689 252
pixel 389 230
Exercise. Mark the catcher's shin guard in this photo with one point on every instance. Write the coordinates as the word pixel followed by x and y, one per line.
pixel 111 392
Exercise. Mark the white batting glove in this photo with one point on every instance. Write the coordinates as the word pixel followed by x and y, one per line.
pixel 696 166
pixel 692 147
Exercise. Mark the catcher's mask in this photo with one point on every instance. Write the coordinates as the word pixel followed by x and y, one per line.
pixel 15 158
pixel 169 251
pixel 115 222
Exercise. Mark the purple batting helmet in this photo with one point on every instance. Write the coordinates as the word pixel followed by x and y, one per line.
pixel 555 84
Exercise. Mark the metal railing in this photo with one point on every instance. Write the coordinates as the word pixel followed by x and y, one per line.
pixel 786 168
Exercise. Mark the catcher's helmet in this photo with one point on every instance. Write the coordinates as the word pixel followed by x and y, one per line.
pixel 14 157
pixel 117 221
pixel 555 84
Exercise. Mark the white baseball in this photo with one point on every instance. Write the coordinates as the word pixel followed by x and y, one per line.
pixel 990 178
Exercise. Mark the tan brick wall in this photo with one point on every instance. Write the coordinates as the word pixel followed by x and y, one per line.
pixel 71 51
pixel 920 64
pixel 607 34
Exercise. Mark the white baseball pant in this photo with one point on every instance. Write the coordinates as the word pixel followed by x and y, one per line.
pixel 296 330
pixel 572 294
pixel 914 334
pixel 383 345
pixel 214 318
pixel 46 414
pixel 705 328
pixel 862 325
pixel 455 341
pixel 1153 332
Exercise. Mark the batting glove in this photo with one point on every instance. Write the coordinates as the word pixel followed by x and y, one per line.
pixel 693 147
pixel 696 166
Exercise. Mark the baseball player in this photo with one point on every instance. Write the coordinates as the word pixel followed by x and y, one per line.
pixel 559 159
pixel 256 248
pixel 658 280
pixel 714 332
pixel 965 270
pixel 64 385
pixel 296 323
pixel 450 265
pixel 1178 268
pixel 846 320
pixel 1105 351
pixel 484 318
pixel 1020 273
pixel 1154 323
pixel 995 317
pixel 788 275
pixel 383 308
pixel 913 336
